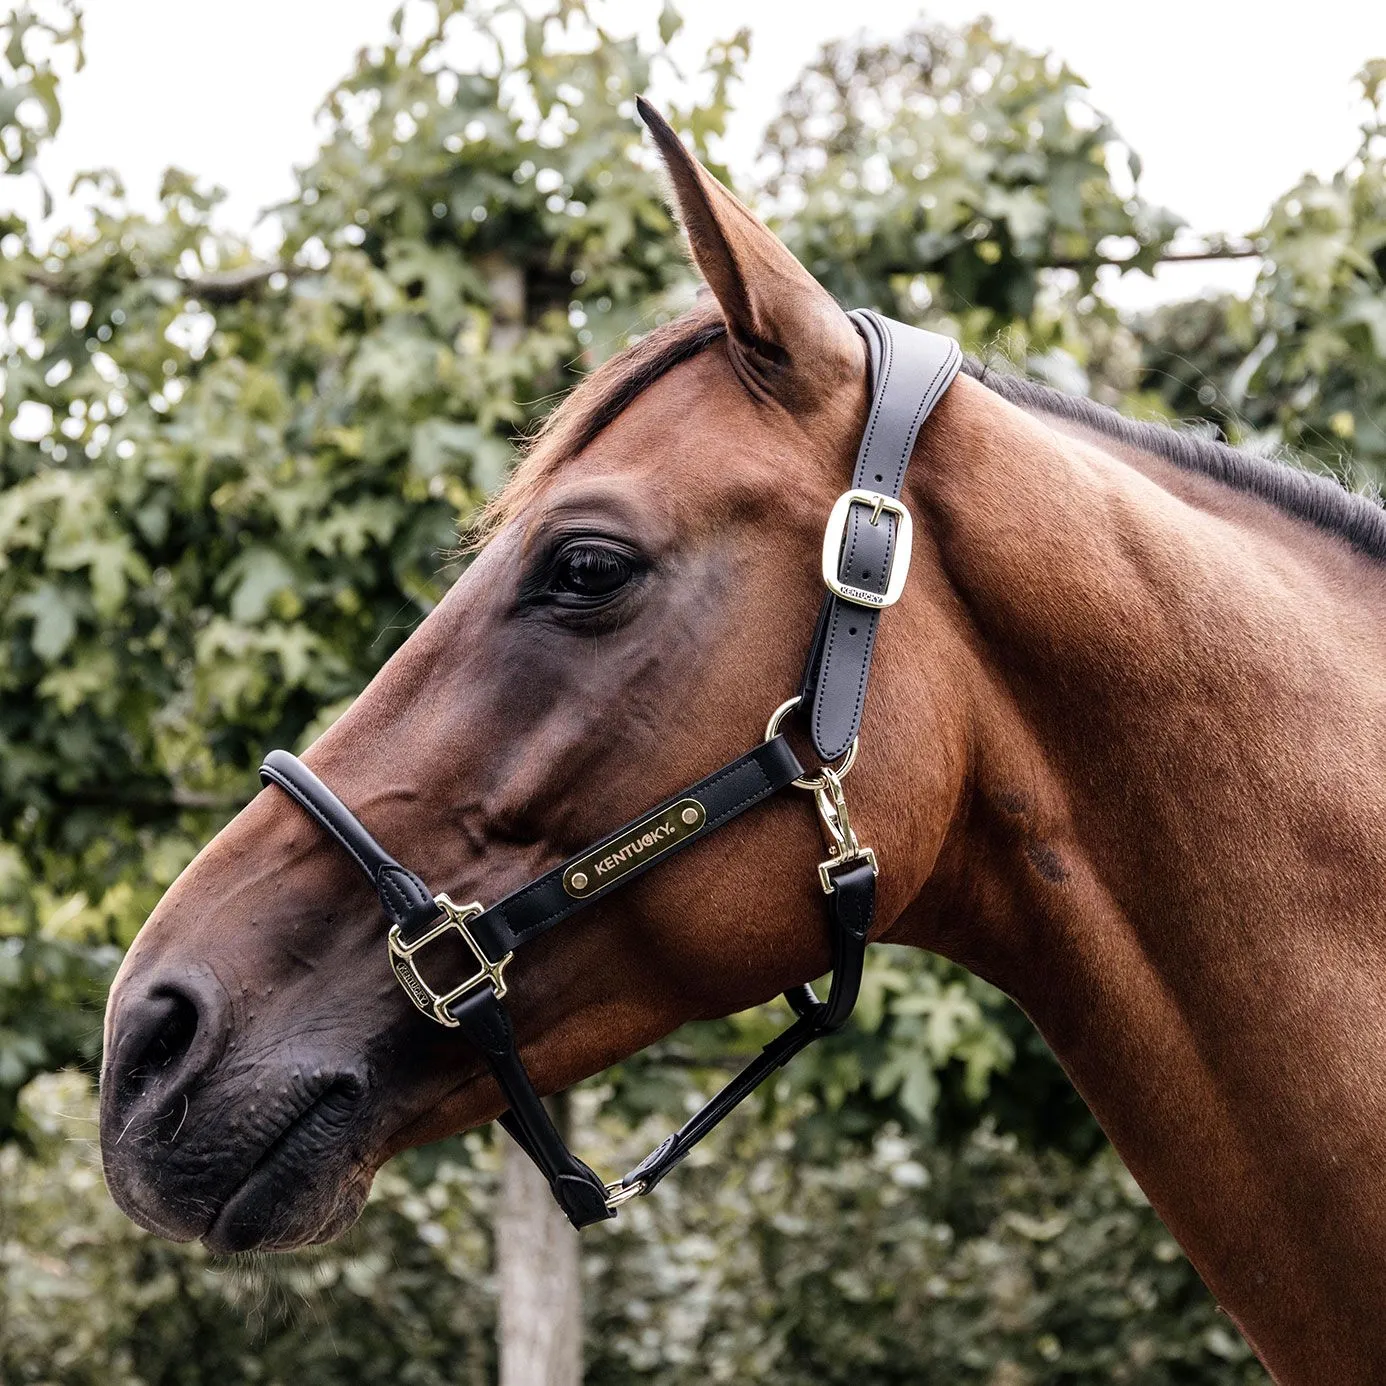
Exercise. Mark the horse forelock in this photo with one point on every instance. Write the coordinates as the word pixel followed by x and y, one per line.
pixel 596 403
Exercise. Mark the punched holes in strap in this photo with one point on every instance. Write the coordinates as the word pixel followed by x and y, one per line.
pixel 910 370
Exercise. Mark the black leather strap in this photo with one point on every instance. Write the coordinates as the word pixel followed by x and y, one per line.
pixel 852 907
pixel 405 898
pixel 851 911
pixel 482 1016
pixel 910 370
pixel 485 1022
pixel 579 1192
pixel 536 908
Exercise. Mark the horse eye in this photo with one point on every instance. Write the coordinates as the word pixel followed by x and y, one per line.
pixel 590 570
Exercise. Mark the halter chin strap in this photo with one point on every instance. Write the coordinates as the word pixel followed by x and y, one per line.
pixel 866 552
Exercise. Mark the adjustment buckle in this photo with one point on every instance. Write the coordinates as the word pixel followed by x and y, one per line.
pixel 432 1003
pixel 835 535
pixel 838 833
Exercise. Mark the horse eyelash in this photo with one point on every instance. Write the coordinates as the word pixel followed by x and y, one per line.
pixel 536 585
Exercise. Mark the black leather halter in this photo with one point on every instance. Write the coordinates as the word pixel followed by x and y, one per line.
pixel 866 554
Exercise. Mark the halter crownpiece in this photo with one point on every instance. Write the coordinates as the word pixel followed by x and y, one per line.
pixel 866 555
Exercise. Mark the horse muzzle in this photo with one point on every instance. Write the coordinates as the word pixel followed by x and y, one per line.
pixel 241 1150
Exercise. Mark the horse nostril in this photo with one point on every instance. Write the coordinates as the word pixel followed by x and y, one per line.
pixel 171 1037
pixel 157 1037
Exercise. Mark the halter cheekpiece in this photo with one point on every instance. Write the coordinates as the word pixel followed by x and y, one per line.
pixel 866 554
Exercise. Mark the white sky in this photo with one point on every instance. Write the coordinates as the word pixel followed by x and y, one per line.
pixel 1227 102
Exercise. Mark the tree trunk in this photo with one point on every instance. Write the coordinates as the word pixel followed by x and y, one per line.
pixel 540 1319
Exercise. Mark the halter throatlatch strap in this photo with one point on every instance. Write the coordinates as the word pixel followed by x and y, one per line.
pixel 485 1022
pixel 866 551
pixel 851 908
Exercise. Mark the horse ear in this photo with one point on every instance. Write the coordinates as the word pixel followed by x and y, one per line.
pixel 789 339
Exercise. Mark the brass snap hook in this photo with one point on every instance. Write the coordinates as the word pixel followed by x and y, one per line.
pixel 838 833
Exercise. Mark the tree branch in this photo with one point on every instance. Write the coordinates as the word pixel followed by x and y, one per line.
pixel 168 801
pixel 1238 250
pixel 230 286
pixel 217 287
pixel 1226 252
pixel 221 287
pixel 1232 250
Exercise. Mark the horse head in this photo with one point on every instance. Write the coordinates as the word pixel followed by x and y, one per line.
pixel 643 600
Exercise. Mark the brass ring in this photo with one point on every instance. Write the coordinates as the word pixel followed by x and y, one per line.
pixel 772 730
pixel 619 1193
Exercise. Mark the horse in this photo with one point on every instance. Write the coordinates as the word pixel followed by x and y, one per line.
pixel 1120 757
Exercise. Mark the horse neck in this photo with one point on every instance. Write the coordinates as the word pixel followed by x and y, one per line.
pixel 1170 848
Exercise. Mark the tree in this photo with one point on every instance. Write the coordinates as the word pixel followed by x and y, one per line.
pixel 1298 363
pixel 947 174
pixel 974 1264
pixel 230 491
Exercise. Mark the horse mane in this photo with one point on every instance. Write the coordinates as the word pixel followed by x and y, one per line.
pixel 1318 499
pixel 1312 496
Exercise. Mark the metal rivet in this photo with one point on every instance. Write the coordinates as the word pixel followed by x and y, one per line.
pixel 689 816
pixel 579 880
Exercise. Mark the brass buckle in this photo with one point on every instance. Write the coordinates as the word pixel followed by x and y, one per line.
pixel 432 1003
pixel 838 832
pixel 836 533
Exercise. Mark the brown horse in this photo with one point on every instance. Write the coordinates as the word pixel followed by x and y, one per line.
pixel 1121 756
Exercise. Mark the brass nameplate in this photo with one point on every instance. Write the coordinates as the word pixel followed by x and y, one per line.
pixel 633 848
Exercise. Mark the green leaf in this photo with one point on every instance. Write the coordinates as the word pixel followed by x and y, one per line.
pixel 670 22
pixel 54 613
pixel 253 579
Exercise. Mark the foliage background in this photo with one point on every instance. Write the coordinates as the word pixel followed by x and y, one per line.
pixel 229 489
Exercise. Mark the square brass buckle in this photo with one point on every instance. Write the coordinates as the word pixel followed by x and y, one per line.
pixel 406 970
pixel 836 533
